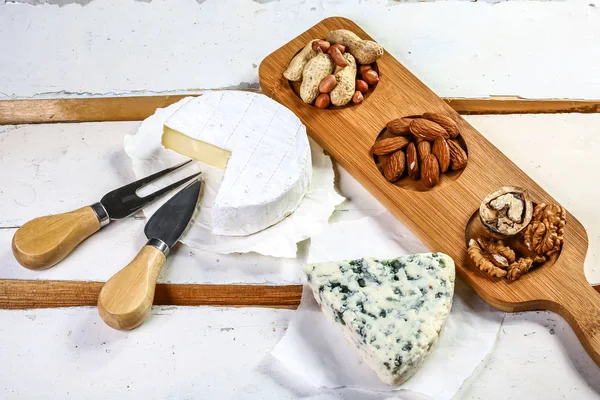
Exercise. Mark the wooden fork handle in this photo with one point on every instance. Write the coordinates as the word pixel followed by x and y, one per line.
pixel 126 298
pixel 45 241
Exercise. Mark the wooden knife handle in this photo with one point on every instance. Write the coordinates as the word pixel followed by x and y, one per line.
pixel 125 300
pixel 45 241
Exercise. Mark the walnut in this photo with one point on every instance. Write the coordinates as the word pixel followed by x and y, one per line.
pixel 490 256
pixel 544 236
pixel 506 211
pixel 516 269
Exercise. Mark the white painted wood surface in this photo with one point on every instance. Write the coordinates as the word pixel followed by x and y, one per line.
pixel 530 346
pixel 459 49
pixel 212 353
pixel 60 167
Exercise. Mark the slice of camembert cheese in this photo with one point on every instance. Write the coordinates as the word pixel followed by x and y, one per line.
pixel 391 310
pixel 263 148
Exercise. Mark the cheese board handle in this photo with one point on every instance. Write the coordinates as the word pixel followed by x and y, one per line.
pixel 126 298
pixel 43 242
pixel 581 309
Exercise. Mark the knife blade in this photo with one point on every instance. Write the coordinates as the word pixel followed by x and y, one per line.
pixel 45 241
pixel 126 298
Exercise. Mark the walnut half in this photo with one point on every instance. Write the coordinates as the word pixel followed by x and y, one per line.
pixel 544 236
pixel 506 211
pixel 497 259
pixel 491 256
pixel 518 268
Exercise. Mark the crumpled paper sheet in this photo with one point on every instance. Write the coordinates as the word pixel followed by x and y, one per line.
pixel 315 349
pixel 279 240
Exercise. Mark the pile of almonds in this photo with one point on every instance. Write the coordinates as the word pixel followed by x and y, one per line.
pixel 423 147
pixel 366 76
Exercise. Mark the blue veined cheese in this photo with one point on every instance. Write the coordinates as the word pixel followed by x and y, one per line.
pixel 391 310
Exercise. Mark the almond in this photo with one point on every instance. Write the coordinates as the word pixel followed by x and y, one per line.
pixel 389 145
pixel 445 122
pixel 394 167
pixel 458 156
pixel 441 151
pixel 430 171
pixel 424 149
pixel 399 126
pixel 412 162
pixel 427 130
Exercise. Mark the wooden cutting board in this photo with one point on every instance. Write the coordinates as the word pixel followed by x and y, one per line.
pixel 440 216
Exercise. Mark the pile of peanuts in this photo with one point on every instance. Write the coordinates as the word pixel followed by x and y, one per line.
pixel 365 76
pixel 336 71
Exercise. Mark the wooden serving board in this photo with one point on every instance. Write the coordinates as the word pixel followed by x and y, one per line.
pixel 440 216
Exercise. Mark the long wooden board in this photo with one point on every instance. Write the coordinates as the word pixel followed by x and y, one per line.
pixel 137 108
pixel 24 294
pixel 440 216
pixel 516 105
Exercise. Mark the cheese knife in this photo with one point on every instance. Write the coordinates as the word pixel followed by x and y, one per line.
pixel 45 241
pixel 126 298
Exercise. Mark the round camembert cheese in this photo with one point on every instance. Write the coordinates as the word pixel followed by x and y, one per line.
pixel 261 145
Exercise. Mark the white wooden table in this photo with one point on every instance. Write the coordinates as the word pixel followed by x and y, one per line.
pixel 460 49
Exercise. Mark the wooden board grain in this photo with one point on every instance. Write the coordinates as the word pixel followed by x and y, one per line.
pixel 516 105
pixel 13 112
pixel 24 294
pixel 137 108
pixel 439 216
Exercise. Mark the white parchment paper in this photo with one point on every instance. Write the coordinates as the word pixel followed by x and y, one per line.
pixel 315 349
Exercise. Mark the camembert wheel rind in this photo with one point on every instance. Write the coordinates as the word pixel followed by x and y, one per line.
pixel 262 145
pixel 391 310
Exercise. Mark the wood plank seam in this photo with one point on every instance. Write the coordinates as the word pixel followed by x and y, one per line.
pixel 137 108
pixel 26 294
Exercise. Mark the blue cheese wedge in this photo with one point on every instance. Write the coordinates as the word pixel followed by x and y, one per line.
pixel 391 310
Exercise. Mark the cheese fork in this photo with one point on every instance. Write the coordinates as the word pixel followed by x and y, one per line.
pixel 45 241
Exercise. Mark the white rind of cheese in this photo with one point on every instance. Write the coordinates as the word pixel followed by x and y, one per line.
pixel 268 161
pixel 391 310
pixel 270 168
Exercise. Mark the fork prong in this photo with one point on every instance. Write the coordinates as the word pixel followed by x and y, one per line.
pixel 140 183
pixel 150 198
pixel 124 201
